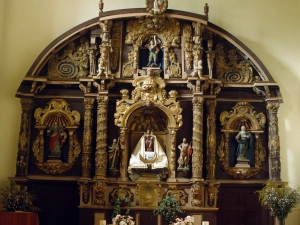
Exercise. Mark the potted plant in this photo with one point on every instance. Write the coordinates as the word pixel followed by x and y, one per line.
pixel 13 198
pixel 280 199
pixel 168 208
pixel 117 218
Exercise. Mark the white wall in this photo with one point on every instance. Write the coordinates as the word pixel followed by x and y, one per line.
pixel 270 28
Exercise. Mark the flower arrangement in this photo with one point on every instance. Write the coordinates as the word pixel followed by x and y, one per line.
pixel 187 220
pixel 168 208
pixel 14 199
pixel 280 198
pixel 117 219
pixel 121 201
pixel 122 220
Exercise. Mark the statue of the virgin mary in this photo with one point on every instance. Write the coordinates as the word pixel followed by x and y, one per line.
pixel 148 157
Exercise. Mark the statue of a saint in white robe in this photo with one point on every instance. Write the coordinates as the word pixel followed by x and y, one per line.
pixel 148 151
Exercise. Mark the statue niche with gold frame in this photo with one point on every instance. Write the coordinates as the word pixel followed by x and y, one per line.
pixel 56 117
pixel 242 115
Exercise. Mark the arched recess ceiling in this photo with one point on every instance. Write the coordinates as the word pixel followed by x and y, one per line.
pixel 262 79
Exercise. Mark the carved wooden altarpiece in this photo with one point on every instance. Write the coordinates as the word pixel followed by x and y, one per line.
pixel 100 81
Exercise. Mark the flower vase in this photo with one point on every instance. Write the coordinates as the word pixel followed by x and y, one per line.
pixel 281 220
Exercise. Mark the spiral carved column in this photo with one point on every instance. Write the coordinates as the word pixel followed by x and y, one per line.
pixel 274 143
pixel 87 137
pixel 197 157
pixel 211 139
pixel 24 138
pixel 101 154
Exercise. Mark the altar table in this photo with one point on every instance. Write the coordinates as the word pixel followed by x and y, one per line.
pixel 19 218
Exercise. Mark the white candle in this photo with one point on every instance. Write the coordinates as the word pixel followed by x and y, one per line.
pixel 102 222
pixel 205 223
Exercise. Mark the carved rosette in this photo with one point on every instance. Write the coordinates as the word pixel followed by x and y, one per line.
pixel 101 155
pixel 211 139
pixel 24 135
pixel 233 71
pixel 243 114
pixel 274 142
pixel 72 64
pixel 87 137
pixel 57 111
pixel 197 157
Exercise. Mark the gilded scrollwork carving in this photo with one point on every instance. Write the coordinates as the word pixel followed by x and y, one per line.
pixel 174 66
pixel 72 64
pixel 242 114
pixel 101 154
pixel 148 194
pixel 57 112
pixel 197 194
pixel 180 195
pixel 99 190
pixel 211 190
pixel 54 168
pixel 274 140
pixel 232 71
pixel 116 43
pixel 211 139
pixel 138 31
pixel 188 45
pixel 210 55
pixel 37 87
pixel 85 190
pixel 87 136
pixel 197 157
pixel 149 91
pixel 119 192
pixel 197 48
pixel 128 68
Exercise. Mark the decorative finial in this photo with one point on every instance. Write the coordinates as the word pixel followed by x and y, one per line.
pixel 206 9
pixel 101 4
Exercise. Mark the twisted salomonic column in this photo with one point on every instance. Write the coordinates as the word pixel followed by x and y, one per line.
pixel 101 155
pixel 87 137
pixel 274 144
pixel 197 157
pixel 211 139
pixel 24 138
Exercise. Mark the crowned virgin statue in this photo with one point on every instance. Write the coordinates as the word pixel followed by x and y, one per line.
pixel 148 157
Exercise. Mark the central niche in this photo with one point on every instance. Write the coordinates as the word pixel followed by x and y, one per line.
pixel 147 139
pixel 154 120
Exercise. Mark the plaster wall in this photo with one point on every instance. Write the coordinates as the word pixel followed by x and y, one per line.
pixel 269 28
